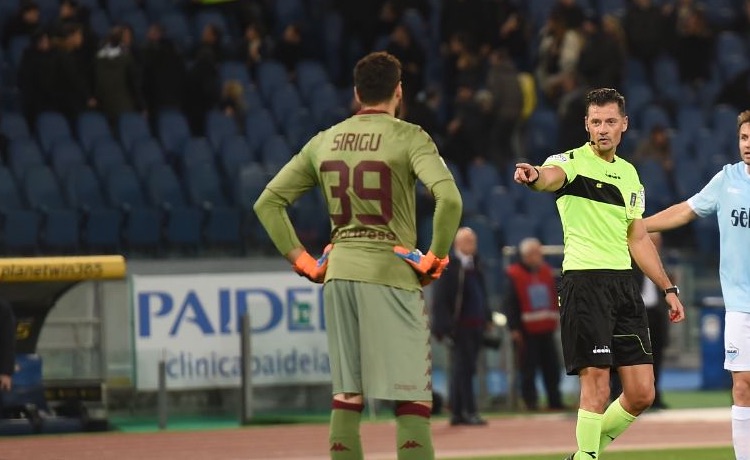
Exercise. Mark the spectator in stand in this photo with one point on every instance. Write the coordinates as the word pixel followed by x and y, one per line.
pixel 559 51
pixel 656 147
pixel 36 77
pixel 289 48
pixel 255 47
pixel 117 84
pixel 507 103
pixel 694 47
pixel 602 60
pixel 510 32
pixel 74 92
pixel 647 30
pixel 571 13
pixel 23 24
pixel 410 54
pixel 233 103
pixel 570 111
pixel 163 69
pixel 202 85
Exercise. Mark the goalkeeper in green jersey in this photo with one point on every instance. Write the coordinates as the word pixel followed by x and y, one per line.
pixel 378 337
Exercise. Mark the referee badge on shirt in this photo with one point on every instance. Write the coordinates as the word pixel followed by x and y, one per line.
pixel 636 204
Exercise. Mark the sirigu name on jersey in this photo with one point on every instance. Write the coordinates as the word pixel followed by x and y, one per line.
pixel 741 217
pixel 356 142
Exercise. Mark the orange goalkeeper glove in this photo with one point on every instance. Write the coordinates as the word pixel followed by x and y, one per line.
pixel 310 268
pixel 428 266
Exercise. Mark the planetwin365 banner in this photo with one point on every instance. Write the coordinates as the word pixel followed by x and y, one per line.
pixel 193 322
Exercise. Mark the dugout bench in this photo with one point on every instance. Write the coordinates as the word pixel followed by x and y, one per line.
pixel 33 286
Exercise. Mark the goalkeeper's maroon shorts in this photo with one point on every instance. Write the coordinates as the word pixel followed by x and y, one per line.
pixel 603 320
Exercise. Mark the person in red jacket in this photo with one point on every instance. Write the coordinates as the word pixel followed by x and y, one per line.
pixel 532 309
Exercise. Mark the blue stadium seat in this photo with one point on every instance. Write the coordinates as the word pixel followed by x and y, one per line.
pixel 270 75
pixel 551 232
pixel 539 206
pixel 51 127
pixel 639 96
pixel 259 126
pixel 164 189
pixel 223 227
pixel 288 12
pixel 323 100
pixel 233 155
pixel 17 46
pixel 42 189
pixel 219 127
pixel 196 150
pixel 155 9
pixel 65 154
pixel 310 218
pixel 183 229
pixel 106 155
pixel 456 172
pixel 517 228
pixel 310 74
pixel 688 179
pixel 90 127
pixel 204 186
pixel 253 99
pixel 333 31
pixel 724 123
pixel 483 177
pixel 176 28
pixel 60 233
pixel 173 130
pixel 13 125
pixel 659 194
pixel 142 229
pixel 299 128
pixel 100 23
pixel 284 102
pixel 706 232
pixel 501 207
pixel 235 70
pixel 667 78
pixel 146 154
pixel 682 144
pixel 275 153
pixel 654 115
pixel 10 198
pixel 542 134
pixel 82 189
pixel 690 120
pixel 470 200
pixel 23 154
pixel 101 230
pixel 20 232
pixel 251 182
pixel 137 21
pixel 119 8
pixel 487 242
pixel 131 127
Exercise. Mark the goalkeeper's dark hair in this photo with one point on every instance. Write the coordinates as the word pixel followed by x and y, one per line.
pixel 603 96
pixel 376 77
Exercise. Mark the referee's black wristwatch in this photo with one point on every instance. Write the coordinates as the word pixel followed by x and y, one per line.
pixel 672 290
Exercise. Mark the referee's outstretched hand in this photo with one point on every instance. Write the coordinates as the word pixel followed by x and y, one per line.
pixel 525 173
pixel 676 310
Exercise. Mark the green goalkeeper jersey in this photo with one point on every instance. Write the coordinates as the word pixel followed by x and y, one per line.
pixel 367 167
pixel 597 204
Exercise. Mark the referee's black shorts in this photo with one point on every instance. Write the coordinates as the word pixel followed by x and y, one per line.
pixel 603 320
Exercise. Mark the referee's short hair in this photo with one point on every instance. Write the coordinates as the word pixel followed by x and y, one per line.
pixel 604 96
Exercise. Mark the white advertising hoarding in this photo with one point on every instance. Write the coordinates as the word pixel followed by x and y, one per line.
pixel 194 323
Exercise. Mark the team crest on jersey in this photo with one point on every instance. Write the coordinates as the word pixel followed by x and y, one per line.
pixel 560 158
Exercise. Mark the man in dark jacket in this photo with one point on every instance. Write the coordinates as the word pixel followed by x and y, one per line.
pixel 461 313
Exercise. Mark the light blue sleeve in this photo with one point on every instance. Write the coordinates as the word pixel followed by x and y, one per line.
pixel 706 201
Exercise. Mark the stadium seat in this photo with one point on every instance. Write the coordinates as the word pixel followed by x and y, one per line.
pixel 23 154
pixel 145 155
pixel 724 123
pixel 10 198
pixel 688 179
pixel 323 100
pixel 17 46
pixel 20 232
pixel 487 242
pixel 234 70
pixel 690 120
pixel 659 194
pixel 123 189
pixel 501 207
pixel 667 79
pixel 183 222
pixel 271 75
pixel 142 229
pixel 204 186
pixel 90 127
pixel 259 126
pixel 219 127
pixel 164 189
pixel 222 229
pixel 233 156
pixel 275 153
pixel 173 130
pixel 551 232
pixel 65 154
pixel 639 96
pixel 138 22
pixel 42 189
pixel 13 125
pixel 176 28
pixel 155 9
pixel 299 128
pixel 131 127
pixel 82 188
pixel 541 134
pixel 310 218
pixel 106 155
pixel 99 22
pixel 539 206
pixel 205 17
pixel 60 233
pixel 706 232
pixel 310 74
pixel 483 177
pixel 117 9
pixel 196 150
pixel 654 115
pixel 517 228
pixel 251 182
pixel 101 230
pixel 51 127
pixel 284 102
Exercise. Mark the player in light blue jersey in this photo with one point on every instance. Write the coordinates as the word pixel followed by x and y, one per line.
pixel 726 195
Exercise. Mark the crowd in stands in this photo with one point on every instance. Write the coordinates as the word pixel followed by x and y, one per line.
pixel 216 96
